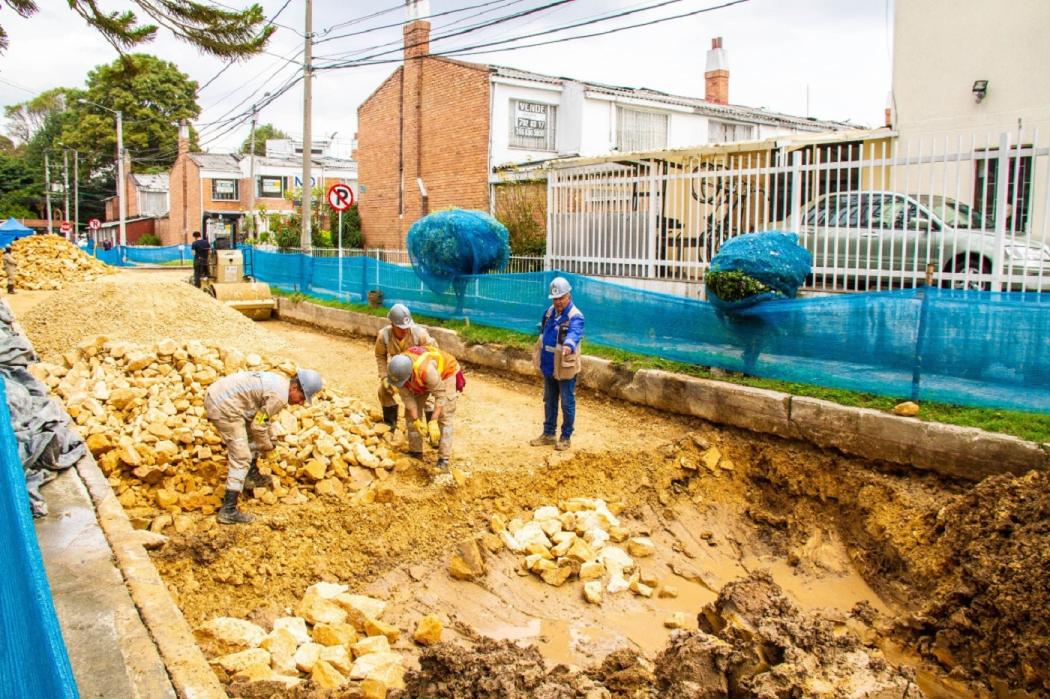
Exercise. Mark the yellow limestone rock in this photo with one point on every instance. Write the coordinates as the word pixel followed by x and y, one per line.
pixel 360 608
pixel 319 605
pixel 641 546
pixel 678 620
pixel 338 657
pixel 906 409
pixel 558 575
pixel 281 645
pixel 225 635
pixel 314 469
pixel 324 676
pixel 378 628
pixel 592 570
pixel 335 634
pixel 592 591
pixel 372 689
pixel 255 673
pixel 371 644
pixel 710 459
pixel 384 667
pixel 428 631
pixel 294 625
pixel 235 662
pixel 307 655
pixel 668 591
pixel 467 564
pixel 98 443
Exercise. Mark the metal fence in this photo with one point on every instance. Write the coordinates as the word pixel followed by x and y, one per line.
pixel 882 213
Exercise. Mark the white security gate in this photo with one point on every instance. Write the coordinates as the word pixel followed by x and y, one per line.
pixel 956 211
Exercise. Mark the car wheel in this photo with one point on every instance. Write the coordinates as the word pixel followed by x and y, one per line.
pixel 970 266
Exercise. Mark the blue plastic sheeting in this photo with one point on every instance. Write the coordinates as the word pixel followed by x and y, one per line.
pixel 953 346
pixel 33 659
pixel 447 246
pixel 131 255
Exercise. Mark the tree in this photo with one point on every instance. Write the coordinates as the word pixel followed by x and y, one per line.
pixel 226 33
pixel 26 118
pixel 17 192
pixel 262 133
pixel 154 95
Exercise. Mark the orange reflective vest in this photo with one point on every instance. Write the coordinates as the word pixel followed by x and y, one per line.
pixel 422 357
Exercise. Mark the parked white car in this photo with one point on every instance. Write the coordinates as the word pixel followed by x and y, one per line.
pixel 887 239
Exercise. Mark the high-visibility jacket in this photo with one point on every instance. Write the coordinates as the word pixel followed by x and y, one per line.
pixel 423 358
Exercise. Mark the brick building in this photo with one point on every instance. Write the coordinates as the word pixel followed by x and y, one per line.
pixel 440 132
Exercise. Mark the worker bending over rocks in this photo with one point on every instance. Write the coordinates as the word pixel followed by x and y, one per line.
pixel 241 406
pixel 392 340
pixel 419 373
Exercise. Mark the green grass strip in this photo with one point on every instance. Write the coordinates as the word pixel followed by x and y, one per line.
pixel 1031 426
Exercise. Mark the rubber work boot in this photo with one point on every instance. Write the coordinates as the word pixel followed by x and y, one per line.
pixel 544 440
pixel 254 479
pixel 442 464
pixel 228 513
pixel 390 415
pixel 562 444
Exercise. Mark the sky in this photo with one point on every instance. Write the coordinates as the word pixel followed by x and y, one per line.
pixel 839 52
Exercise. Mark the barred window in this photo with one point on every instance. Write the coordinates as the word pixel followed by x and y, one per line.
pixel 153 203
pixel 637 129
pixel 533 125
pixel 728 132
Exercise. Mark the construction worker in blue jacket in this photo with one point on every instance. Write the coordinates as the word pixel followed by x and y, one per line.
pixel 557 356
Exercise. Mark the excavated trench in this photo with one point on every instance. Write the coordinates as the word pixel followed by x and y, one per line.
pixel 798 572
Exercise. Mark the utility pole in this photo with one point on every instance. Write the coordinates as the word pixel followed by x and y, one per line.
pixel 122 187
pixel 76 194
pixel 65 183
pixel 305 241
pixel 47 189
pixel 251 171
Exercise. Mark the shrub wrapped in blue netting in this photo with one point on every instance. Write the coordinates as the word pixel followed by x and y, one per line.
pixel 757 267
pixel 448 245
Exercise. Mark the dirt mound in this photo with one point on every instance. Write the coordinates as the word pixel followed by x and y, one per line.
pixel 139 310
pixel 988 616
pixel 489 669
pixel 51 262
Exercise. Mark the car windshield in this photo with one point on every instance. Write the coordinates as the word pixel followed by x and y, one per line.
pixel 954 213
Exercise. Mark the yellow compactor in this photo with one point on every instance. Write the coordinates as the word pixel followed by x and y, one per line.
pixel 227 282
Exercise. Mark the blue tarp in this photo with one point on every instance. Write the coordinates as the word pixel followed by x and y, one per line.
pixel 33 659
pixel 11 230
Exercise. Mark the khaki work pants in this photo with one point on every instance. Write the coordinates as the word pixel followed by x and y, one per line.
pixel 240 447
pixel 415 440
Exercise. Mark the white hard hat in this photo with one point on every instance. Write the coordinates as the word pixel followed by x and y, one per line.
pixel 310 381
pixel 399 316
pixel 559 287
pixel 399 369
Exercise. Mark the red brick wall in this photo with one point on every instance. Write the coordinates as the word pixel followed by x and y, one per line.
pixel 430 117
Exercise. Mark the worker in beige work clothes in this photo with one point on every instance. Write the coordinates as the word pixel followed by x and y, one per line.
pixel 392 340
pixel 421 373
pixel 240 406
pixel 10 269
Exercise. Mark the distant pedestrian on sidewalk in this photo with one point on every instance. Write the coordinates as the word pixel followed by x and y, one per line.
pixel 557 356
pixel 10 269
pixel 392 340
pixel 201 247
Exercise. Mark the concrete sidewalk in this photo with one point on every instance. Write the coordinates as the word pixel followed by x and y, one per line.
pixel 109 647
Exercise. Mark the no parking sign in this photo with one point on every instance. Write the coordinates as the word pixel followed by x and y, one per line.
pixel 340 197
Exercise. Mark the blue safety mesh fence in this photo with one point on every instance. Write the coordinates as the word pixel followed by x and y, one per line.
pixel 33 659
pixel 131 255
pixel 954 346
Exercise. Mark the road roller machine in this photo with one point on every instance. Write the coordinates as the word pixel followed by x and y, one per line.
pixel 228 283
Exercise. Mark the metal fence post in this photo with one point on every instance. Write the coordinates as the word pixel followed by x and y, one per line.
pixel 796 191
pixel 1002 177
pixel 652 222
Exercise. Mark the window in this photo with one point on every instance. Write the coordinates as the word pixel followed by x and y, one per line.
pixel 1018 189
pixel 270 187
pixel 224 190
pixel 533 125
pixel 727 132
pixel 153 203
pixel 640 130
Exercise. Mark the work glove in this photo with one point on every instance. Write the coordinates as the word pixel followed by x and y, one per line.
pixel 435 433
pixel 387 386
pixel 421 426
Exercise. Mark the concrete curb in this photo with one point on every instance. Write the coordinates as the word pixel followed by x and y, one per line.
pixel 190 673
pixel 188 670
pixel 958 452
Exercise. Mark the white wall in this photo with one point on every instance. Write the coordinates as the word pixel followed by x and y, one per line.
pixel 500 152
pixel 942 46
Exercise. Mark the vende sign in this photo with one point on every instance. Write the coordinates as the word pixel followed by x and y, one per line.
pixel 530 119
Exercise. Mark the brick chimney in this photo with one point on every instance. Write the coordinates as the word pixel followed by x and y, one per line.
pixel 716 76
pixel 184 137
pixel 417 31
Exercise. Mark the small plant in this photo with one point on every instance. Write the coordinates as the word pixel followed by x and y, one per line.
pixel 149 239
pixel 734 285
